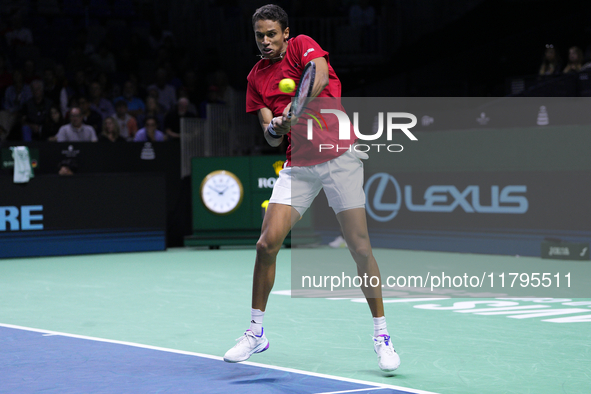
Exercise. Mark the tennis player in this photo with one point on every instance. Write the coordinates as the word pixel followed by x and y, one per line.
pixel 340 174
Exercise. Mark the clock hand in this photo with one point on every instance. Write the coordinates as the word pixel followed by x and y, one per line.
pixel 214 189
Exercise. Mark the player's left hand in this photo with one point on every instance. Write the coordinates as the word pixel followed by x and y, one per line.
pixel 286 110
pixel 286 116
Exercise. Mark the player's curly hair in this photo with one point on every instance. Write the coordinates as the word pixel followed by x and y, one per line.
pixel 271 12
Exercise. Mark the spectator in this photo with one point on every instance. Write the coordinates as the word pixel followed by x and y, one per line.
pixel 162 56
pixel 182 93
pixel 150 132
pixel 90 116
pixel 108 89
pixel 158 36
pixel 68 166
pixel 140 90
pixel 126 123
pixel 587 58
pixel 153 92
pixel 52 124
pixel 362 18
pixel 166 92
pixel 128 57
pixel 5 77
pixel 152 110
pixel 84 43
pixel 110 131
pixel 170 72
pixel 332 8
pixel 171 49
pixel 172 121
pixel 76 130
pixel 35 110
pixel 192 87
pixel 135 105
pixel 362 14
pixel 15 98
pixel 104 60
pixel 52 89
pixel 60 75
pixel 551 64
pixel 575 60
pixel 17 34
pixel 80 49
pixel 76 88
pixel 98 102
pixel 213 97
pixel 30 71
pixel 226 93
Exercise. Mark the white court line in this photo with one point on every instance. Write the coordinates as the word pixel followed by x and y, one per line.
pixel 162 349
pixel 387 301
pixel 354 391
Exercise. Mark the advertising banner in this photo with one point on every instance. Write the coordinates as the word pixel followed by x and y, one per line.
pixel 478 175
pixel 63 215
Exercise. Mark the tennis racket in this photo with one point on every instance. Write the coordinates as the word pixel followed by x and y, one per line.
pixel 304 91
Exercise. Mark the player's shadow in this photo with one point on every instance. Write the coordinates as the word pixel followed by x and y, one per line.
pixel 383 374
pixel 256 381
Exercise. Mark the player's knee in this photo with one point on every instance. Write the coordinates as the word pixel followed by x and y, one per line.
pixel 265 247
pixel 360 253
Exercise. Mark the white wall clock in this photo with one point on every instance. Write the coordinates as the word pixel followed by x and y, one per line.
pixel 221 192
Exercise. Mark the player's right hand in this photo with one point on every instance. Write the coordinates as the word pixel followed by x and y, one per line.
pixel 281 125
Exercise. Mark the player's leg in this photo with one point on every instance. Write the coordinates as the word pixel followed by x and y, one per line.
pixel 354 228
pixel 343 185
pixel 276 225
pixel 342 180
pixel 278 221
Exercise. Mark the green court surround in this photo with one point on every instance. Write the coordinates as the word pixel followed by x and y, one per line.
pixel 199 300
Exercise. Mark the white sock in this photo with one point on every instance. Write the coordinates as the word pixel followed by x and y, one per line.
pixel 379 326
pixel 256 321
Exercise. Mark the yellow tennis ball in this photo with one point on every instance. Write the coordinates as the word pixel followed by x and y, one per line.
pixel 287 85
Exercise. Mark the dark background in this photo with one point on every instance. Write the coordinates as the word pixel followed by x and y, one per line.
pixel 434 48
pixel 428 48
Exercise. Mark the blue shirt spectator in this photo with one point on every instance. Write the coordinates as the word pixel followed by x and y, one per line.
pixel 135 105
pixel 18 94
pixel 150 132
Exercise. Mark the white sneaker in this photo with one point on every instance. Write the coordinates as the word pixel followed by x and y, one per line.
pixel 388 359
pixel 247 345
pixel 339 242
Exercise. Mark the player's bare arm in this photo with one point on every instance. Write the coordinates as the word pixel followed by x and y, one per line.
pixel 321 80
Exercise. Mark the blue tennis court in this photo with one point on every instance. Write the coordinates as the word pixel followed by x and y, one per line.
pixel 35 361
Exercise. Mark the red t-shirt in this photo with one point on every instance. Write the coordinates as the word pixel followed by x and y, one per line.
pixel 263 91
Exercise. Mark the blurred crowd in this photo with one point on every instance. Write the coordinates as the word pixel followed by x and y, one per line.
pixel 99 70
pixel 576 60
pixel 112 83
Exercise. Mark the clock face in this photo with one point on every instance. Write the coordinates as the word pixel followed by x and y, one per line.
pixel 221 192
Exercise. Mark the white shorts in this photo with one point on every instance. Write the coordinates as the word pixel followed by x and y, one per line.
pixel 341 178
